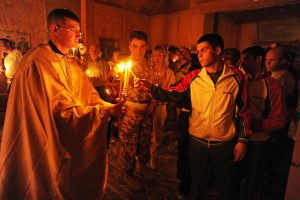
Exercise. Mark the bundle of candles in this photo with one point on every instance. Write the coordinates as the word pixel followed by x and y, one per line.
pixel 126 68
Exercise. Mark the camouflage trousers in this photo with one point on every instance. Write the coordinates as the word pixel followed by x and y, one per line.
pixel 135 133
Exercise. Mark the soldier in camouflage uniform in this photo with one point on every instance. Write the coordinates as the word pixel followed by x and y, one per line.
pixel 136 124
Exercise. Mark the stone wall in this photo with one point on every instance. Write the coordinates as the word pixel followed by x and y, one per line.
pixel 117 23
pixel 180 28
pixel 25 16
pixel 73 5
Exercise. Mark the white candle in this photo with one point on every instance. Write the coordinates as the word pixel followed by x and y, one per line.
pixel 73 51
pixel 126 79
pixel 127 70
pixel 126 67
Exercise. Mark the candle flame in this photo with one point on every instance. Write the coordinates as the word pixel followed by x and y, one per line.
pixel 124 65
pixel 128 64
pixel 121 67
pixel 87 72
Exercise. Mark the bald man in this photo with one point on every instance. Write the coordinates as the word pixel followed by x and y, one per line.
pixel 277 62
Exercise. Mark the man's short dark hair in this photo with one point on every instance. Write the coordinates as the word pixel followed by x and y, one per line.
pixel 159 48
pixel 215 40
pixel 173 49
pixel 61 14
pixel 138 35
pixel 255 51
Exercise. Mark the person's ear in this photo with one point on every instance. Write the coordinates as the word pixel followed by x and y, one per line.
pixel 284 62
pixel 218 50
pixel 259 59
pixel 53 28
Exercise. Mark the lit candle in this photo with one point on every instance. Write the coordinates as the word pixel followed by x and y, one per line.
pixel 127 70
pixel 126 67
pixel 108 92
pixel 132 73
pixel 87 72
pixel 73 51
pixel 126 81
pixel 7 66
pixel 9 71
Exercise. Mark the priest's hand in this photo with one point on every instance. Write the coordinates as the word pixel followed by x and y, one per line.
pixel 117 110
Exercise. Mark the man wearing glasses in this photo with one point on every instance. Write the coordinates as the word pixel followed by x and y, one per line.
pixel 54 136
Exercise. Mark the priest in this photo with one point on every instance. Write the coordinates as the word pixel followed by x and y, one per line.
pixel 54 136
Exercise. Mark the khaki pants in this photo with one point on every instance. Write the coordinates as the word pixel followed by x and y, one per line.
pixel 159 118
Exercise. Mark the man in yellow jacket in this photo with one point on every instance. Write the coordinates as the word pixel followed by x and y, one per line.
pixel 220 119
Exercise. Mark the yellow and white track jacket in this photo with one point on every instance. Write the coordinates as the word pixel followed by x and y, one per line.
pixel 219 112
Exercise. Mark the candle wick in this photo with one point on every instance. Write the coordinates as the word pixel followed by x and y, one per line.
pixel 132 73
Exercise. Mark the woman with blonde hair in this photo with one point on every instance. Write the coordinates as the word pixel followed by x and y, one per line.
pixel 163 76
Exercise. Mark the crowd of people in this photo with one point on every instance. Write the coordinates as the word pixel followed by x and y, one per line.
pixel 234 114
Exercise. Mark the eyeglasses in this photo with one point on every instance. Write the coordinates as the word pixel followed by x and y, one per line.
pixel 73 29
